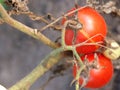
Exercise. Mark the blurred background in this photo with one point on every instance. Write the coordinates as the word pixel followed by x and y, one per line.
pixel 20 53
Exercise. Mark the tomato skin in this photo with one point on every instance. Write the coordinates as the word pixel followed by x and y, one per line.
pixel 97 77
pixel 93 23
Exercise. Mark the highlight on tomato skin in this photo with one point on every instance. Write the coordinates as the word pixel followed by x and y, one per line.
pixel 98 77
pixel 93 25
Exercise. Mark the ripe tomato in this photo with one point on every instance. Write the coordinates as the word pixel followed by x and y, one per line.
pixel 93 23
pixel 99 76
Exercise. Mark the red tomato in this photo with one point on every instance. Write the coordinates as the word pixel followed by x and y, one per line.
pixel 93 24
pixel 100 76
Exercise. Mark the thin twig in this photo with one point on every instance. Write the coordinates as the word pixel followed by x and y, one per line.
pixel 36 17
pixel 84 43
pixel 55 21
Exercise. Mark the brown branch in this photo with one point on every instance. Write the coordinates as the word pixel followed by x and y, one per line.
pixel 32 32
pixel 110 7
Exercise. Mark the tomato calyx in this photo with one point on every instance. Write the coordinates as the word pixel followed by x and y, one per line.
pixel 74 25
pixel 92 64
pixel 88 66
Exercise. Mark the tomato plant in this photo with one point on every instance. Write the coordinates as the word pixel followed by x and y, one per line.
pixel 92 24
pixel 99 74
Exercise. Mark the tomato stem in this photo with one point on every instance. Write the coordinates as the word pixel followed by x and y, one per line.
pixel 73 49
pixel 43 67
pixel 78 77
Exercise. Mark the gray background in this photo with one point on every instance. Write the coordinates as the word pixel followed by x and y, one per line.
pixel 20 53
